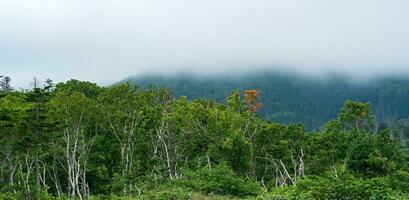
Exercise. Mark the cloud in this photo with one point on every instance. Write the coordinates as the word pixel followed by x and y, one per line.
pixel 106 40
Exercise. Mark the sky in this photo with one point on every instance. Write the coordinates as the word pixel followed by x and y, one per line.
pixel 105 41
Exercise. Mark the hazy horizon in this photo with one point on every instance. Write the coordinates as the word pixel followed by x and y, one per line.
pixel 106 41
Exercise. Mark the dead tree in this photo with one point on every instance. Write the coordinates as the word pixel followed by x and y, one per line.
pixel 283 175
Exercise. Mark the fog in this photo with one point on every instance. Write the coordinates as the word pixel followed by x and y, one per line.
pixel 105 40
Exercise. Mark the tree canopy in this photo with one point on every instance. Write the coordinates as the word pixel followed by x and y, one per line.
pixel 77 140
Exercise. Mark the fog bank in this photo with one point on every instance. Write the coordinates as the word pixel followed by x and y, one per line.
pixel 105 40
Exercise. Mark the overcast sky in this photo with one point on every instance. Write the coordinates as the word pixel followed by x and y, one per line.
pixel 107 40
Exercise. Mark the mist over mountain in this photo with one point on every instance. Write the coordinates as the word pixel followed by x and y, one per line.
pixel 293 98
pixel 104 41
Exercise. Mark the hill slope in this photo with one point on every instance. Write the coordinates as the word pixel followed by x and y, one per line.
pixel 292 99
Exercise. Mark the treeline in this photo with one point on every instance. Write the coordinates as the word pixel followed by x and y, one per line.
pixel 76 140
pixel 290 98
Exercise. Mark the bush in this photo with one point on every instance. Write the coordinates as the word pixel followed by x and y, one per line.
pixel 7 196
pixel 197 196
pixel 43 195
pixel 400 180
pixel 343 186
pixel 169 192
pixel 219 180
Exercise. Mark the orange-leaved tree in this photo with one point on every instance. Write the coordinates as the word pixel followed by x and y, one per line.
pixel 252 99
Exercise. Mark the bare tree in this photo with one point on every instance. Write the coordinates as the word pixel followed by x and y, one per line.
pixel 283 175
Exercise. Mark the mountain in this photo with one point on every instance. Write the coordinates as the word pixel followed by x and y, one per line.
pixel 290 98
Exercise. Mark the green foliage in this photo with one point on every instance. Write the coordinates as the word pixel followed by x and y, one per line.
pixel 124 142
pixel 343 186
pixel 167 192
pixel 234 149
pixel 43 195
pixel 400 180
pixel 365 158
pixel 400 131
pixel 357 116
pixel 220 180
pixel 326 149
pixel 8 196
pixel 206 183
pixel 234 101
pixel 288 98
pixel 375 155
pixel 90 90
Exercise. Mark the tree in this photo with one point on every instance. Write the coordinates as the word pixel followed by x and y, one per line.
pixel 356 116
pixel 252 99
pixel 5 84
pixel 84 140
pixel 122 109
pixel 38 124
pixel 16 145
pixel 74 112
pixel 90 90
pixel 234 101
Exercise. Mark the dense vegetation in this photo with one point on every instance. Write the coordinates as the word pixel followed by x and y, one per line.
pixel 80 141
pixel 290 98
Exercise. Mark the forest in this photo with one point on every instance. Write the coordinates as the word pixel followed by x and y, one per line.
pixel 293 98
pixel 78 140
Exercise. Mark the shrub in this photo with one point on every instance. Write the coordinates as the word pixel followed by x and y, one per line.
pixel 400 180
pixel 219 180
pixel 7 196
pixel 168 192
pixel 343 186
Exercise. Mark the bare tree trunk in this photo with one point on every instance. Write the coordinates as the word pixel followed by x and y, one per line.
pixel 286 172
pixel 125 134
pixel 54 177
pixel 77 149
pixel 356 126
pixel 301 167
pixel 42 175
pixel 167 147
pixel 25 177
pixel 282 174
pixel 12 168
pixel 208 162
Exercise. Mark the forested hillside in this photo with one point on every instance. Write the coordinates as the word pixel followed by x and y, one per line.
pixel 77 140
pixel 289 98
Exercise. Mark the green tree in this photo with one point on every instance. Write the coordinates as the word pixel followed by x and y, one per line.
pixel 75 114
pixel 357 116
